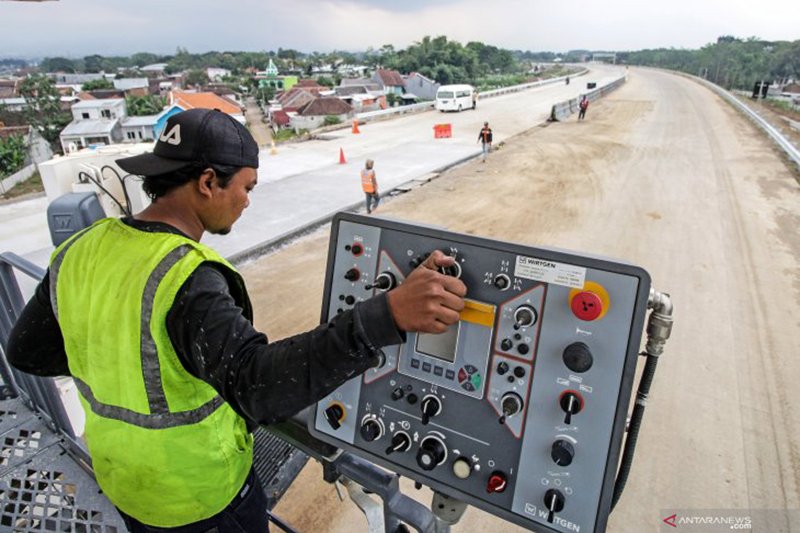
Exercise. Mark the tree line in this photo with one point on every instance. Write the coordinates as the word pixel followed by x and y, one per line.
pixel 730 62
pixel 439 58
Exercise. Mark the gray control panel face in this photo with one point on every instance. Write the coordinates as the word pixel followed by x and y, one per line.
pixel 519 408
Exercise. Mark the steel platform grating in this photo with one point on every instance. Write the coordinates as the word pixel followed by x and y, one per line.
pixel 41 487
pixel 276 463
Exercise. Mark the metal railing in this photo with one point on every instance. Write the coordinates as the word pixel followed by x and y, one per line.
pixel 783 142
pixel 39 394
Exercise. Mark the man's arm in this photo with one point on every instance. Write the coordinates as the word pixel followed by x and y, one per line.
pixel 268 382
pixel 35 344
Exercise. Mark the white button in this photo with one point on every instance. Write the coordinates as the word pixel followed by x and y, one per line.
pixel 461 468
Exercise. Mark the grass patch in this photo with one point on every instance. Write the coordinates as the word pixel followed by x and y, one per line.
pixel 29 186
pixel 287 134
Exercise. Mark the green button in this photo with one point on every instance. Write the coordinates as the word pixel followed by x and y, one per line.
pixel 476 380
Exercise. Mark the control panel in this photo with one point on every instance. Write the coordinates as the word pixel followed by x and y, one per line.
pixel 519 408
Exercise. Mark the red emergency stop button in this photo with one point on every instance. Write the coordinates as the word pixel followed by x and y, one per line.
pixel 497 482
pixel 587 306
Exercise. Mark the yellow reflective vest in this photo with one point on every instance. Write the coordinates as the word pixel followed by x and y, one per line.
pixel 166 448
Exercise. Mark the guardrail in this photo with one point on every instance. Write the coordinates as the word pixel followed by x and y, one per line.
pixel 783 142
pixel 564 109
pixel 426 106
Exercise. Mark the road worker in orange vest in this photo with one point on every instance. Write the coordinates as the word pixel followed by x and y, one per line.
pixel 370 186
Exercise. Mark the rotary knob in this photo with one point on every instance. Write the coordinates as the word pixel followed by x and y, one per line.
pixel 562 452
pixel 578 357
pixel 432 452
pixel 501 282
pixel 431 406
pixel 401 442
pixel 334 415
pixel 352 275
pixel 371 429
pixel 553 502
pixel 453 270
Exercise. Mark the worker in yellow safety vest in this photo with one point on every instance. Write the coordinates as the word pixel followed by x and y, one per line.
pixel 156 330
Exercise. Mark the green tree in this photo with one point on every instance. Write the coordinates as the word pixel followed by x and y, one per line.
pixel 93 63
pixel 98 84
pixel 144 105
pixel 58 64
pixel 331 120
pixel 12 154
pixel 196 78
pixel 43 108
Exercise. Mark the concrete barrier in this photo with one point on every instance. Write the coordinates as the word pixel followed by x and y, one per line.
pixel 16 178
pixel 564 109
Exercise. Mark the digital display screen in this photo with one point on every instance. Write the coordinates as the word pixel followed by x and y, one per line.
pixel 440 345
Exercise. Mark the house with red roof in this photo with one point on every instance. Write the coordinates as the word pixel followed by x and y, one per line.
pixel 312 115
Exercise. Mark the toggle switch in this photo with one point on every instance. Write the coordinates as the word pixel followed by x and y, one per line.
pixel 401 442
pixel 431 406
pixel 571 403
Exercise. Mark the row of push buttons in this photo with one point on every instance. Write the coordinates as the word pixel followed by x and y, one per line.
pixel 437 370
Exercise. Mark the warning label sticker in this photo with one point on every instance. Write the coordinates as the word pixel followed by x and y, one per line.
pixel 550 272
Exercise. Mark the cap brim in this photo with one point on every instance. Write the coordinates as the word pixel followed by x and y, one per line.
pixel 150 164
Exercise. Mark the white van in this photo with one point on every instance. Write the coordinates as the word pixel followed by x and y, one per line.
pixel 455 97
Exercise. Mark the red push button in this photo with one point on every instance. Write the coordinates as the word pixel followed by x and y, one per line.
pixel 587 306
pixel 497 482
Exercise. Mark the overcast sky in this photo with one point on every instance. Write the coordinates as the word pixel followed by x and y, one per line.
pixel 75 28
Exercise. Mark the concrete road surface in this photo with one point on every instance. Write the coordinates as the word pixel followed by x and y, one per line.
pixel 665 175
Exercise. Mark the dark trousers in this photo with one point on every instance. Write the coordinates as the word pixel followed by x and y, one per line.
pixel 372 197
pixel 581 113
pixel 247 513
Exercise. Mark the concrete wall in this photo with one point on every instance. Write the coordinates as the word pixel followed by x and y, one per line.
pixel 313 122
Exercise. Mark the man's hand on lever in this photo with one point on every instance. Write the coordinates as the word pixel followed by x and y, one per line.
pixel 428 301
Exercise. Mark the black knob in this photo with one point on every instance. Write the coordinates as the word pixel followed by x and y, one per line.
pixel 578 357
pixel 411 398
pixel 525 316
pixel 562 452
pixel 502 366
pixel 400 443
pixel 523 348
pixel 506 344
pixel 384 282
pixel 334 415
pixel 431 453
pixel 349 299
pixel 572 404
pixel 553 502
pixel 502 282
pixel 431 406
pixel 352 275
pixel 519 371
pixel 398 393
pixel 371 430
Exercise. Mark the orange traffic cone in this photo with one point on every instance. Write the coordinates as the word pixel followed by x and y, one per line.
pixel 355 126
pixel 342 160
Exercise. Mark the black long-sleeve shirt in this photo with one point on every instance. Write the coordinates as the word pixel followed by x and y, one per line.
pixel 262 381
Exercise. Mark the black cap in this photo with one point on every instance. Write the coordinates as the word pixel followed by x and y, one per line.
pixel 206 136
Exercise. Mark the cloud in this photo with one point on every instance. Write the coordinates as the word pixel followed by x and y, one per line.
pixel 82 27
